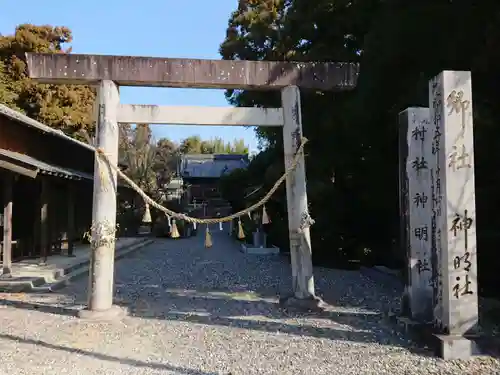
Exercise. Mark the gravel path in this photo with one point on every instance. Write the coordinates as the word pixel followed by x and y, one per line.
pixel 199 311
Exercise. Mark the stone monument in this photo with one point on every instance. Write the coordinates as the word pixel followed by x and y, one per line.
pixel 415 153
pixel 453 228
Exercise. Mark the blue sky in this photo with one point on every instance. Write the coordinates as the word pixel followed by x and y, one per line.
pixel 164 28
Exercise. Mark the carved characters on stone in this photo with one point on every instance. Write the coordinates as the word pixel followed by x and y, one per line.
pixel 453 198
pixel 419 203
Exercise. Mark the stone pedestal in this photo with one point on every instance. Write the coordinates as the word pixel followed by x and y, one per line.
pixel 455 301
pixel 451 347
pixel 253 250
pixel 144 229
pixel 259 239
pixel 111 314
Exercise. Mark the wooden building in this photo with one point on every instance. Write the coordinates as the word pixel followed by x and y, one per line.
pixel 46 182
pixel 201 173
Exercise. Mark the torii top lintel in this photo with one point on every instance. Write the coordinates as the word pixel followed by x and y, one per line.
pixel 193 73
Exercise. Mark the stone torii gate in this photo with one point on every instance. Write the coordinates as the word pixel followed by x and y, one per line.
pixel 110 72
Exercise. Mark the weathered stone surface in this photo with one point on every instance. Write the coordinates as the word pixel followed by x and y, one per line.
pixel 417 204
pixel 112 314
pixel 195 73
pixel 454 211
pixel 451 347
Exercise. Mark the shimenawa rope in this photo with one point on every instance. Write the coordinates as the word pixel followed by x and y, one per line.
pixel 295 161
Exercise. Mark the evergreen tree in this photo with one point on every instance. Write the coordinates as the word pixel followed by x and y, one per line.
pixel 65 107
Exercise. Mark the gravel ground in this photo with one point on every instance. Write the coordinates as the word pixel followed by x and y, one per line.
pixel 199 311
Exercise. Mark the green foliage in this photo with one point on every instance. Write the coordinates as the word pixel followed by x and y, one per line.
pixel 64 107
pixel 195 145
pixel 138 154
pixel 352 155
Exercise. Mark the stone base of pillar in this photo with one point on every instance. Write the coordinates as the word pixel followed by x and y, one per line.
pixel 451 347
pixel 447 347
pixel 312 304
pixel 113 313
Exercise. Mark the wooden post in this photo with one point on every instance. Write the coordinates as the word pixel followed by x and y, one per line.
pixel 100 303
pixel 454 213
pixel 296 195
pixel 55 220
pixel 70 232
pixel 7 227
pixel 44 219
pixel 417 203
pixel 35 246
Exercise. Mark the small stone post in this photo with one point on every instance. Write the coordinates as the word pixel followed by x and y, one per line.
pixel 454 213
pixel 296 196
pixel 100 303
pixel 416 155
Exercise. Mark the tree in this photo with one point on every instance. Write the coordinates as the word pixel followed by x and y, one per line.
pixel 195 145
pixel 191 145
pixel 138 155
pixel 239 147
pixel 294 30
pixel 65 107
pixel 166 160
pixel 352 151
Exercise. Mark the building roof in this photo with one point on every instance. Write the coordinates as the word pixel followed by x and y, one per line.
pixel 15 115
pixel 215 157
pixel 211 165
pixel 30 166
pixel 36 166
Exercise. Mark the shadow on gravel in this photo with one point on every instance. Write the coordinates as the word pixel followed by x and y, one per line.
pixel 223 287
pixel 226 308
pixel 104 357
pixel 49 309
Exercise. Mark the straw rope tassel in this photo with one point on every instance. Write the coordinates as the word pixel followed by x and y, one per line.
pixel 208 238
pixel 146 218
pixel 174 233
pixel 265 218
pixel 241 233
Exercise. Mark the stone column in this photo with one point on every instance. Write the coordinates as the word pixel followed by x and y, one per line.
pixel 454 212
pixel 418 203
pixel 100 304
pixel 296 195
